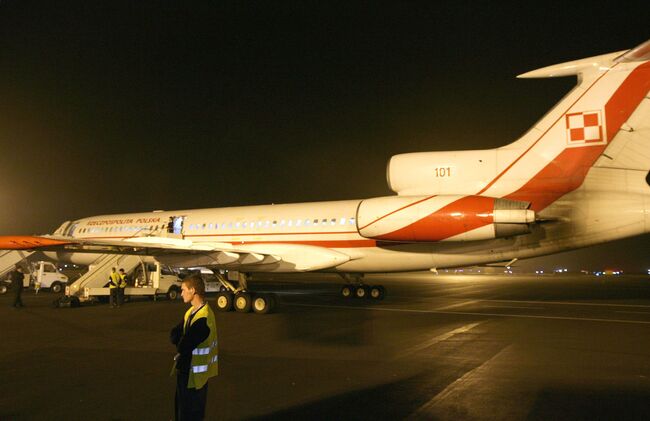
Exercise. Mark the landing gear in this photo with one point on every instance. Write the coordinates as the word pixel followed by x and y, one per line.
pixel 377 292
pixel 361 292
pixel 355 288
pixel 347 291
pixel 263 303
pixel 224 301
pixel 241 300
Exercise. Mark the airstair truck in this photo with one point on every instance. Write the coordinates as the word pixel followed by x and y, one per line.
pixel 146 280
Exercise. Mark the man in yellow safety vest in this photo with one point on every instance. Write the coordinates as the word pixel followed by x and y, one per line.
pixel 120 287
pixel 195 338
pixel 115 283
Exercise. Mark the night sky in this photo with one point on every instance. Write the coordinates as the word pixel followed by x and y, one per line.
pixel 109 107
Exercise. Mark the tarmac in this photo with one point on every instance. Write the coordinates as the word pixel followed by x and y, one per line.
pixel 437 347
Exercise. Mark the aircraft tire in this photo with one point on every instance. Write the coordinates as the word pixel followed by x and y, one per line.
pixel 243 302
pixel 361 292
pixel 377 292
pixel 262 303
pixel 347 291
pixel 224 301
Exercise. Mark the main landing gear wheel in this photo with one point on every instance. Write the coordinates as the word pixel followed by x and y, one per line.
pixel 377 292
pixel 263 303
pixel 347 291
pixel 361 291
pixel 224 301
pixel 243 302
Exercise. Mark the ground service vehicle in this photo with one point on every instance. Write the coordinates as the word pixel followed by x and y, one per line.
pixel 48 276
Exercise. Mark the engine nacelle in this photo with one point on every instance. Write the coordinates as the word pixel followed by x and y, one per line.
pixel 452 172
pixel 442 218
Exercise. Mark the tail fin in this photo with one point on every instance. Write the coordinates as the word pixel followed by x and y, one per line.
pixel 554 156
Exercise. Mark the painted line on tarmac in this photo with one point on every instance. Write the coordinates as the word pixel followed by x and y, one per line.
pixel 461 304
pixel 469 313
pixel 427 411
pixel 573 303
pixel 440 338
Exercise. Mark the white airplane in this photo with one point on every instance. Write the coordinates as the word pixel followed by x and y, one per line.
pixel 578 177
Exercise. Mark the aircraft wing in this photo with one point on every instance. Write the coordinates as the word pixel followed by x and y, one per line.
pixel 181 252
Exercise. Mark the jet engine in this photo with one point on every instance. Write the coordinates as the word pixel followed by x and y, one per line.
pixel 442 218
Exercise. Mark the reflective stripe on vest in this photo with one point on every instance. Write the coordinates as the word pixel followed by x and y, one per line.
pixel 199 368
pixel 201 351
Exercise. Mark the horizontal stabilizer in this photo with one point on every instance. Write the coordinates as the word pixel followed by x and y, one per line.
pixel 638 53
pixel 572 68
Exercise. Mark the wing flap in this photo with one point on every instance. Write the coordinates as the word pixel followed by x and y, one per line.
pixel 279 257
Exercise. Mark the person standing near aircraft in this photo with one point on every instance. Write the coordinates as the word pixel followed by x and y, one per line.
pixel 17 277
pixel 121 287
pixel 196 360
pixel 114 287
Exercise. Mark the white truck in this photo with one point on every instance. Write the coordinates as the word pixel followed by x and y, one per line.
pixel 46 275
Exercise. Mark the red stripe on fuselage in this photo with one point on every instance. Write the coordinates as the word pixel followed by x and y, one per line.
pixel 340 244
pixel 397 210
pixel 457 217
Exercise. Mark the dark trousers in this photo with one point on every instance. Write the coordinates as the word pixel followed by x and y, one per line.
pixel 18 302
pixel 120 296
pixel 189 403
pixel 114 296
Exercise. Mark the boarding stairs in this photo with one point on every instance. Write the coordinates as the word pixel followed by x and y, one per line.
pixel 9 258
pixel 99 272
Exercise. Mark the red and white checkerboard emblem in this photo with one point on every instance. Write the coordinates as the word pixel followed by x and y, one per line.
pixel 585 128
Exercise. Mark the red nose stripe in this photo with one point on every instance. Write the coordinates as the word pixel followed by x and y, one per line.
pixel 25 242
